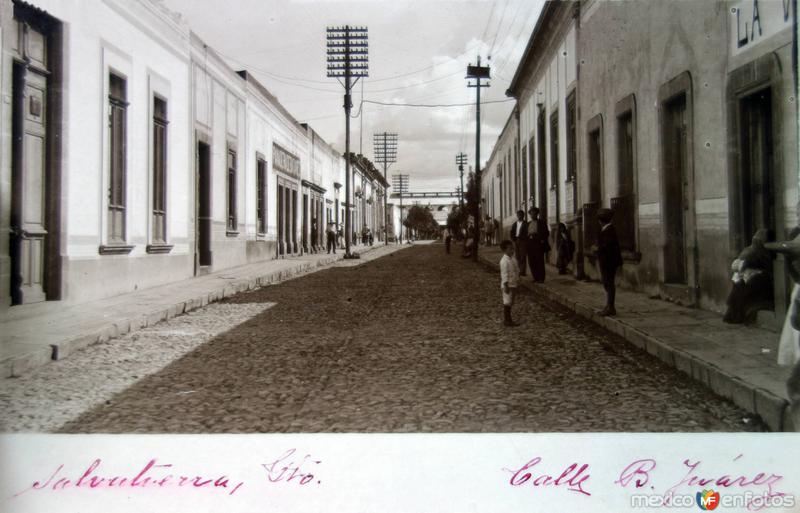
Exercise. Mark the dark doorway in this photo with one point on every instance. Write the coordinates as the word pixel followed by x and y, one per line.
pixel 203 205
pixel 304 236
pixel 675 180
pixel 757 183
pixel 293 217
pixel 281 221
pixel 757 180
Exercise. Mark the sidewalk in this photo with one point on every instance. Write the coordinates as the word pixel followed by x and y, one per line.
pixel 33 335
pixel 737 362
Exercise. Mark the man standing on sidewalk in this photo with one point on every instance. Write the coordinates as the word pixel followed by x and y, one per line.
pixel 538 236
pixel 519 236
pixel 609 258
pixel 330 235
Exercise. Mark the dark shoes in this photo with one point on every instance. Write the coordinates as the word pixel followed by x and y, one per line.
pixel 507 317
pixel 608 311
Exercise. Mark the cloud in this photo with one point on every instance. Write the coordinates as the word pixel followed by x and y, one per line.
pixel 419 51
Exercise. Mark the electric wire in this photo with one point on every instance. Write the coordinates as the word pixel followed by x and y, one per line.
pixel 499 26
pixel 437 105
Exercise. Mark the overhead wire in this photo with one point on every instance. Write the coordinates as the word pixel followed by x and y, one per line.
pixel 438 105
pixel 522 28
pixel 499 26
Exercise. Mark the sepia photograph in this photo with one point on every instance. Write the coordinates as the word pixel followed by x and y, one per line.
pixel 256 255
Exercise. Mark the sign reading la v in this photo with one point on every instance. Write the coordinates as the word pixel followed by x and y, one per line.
pixel 754 21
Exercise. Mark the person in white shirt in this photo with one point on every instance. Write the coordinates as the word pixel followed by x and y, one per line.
pixel 509 280
pixel 519 237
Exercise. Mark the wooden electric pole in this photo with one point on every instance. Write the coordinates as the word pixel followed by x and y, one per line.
pixel 348 59
pixel 386 154
pixel 477 73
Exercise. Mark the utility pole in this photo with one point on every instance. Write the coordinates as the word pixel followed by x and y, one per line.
pixel 461 159
pixel 348 59
pixel 400 184
pixel 386 154
pixel 477 73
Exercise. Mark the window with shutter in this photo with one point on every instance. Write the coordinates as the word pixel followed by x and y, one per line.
pixel 232 219
pixel 117 151
pixel 261 195
pixel 159 171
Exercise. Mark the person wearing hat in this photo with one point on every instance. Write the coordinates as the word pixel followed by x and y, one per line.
pixel 538 244
pixel 519 236
pixel 330 236
pixel 609 258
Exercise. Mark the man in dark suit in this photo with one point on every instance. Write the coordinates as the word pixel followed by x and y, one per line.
pixel 609 258
pixel 538 245
pixel 519 236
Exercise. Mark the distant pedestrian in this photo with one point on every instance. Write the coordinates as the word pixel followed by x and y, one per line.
pixel 519 236
pixel 330 235
pixel 609 259
pixel 489 224
pixel 565 248
pixel 448 238
pixel 538 244
pixel 314 234
pixel 509 280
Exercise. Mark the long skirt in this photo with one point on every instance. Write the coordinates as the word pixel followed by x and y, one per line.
pixel 788 348
pixel 536 261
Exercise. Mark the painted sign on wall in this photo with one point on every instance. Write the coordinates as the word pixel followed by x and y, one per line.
pixel 284 161
pixel 755 21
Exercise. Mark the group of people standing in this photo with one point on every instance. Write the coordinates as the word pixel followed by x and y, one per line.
pixel 530 240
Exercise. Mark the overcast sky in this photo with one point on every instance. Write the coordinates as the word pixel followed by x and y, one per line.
pixel 418 53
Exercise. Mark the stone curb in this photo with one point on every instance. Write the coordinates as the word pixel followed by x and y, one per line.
pixel 39 356
pixel 772 409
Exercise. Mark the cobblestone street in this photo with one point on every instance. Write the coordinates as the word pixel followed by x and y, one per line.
pixel 411 342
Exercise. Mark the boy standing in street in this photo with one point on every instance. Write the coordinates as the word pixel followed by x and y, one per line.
pixel 509 280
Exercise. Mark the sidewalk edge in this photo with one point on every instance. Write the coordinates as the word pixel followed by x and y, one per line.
pixel 772 409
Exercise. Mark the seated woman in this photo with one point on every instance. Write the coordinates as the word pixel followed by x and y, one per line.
pixel 752 282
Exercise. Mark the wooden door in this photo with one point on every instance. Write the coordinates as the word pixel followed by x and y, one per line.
pixel 29 230
pixel 676 185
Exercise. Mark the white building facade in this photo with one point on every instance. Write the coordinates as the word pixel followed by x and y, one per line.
pixel 95 145
pixel 132 155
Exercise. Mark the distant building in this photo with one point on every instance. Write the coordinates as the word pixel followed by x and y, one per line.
pixel 503 188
